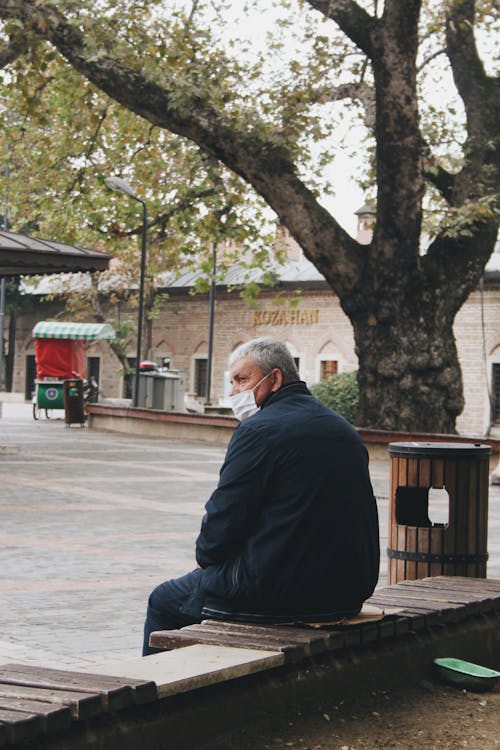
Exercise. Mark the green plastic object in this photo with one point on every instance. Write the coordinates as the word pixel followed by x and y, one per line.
pixel 466 675
pixel 50 394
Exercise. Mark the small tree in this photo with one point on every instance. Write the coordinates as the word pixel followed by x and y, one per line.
pixel 340 392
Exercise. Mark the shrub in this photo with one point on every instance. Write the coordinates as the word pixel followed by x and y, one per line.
pixel 340 392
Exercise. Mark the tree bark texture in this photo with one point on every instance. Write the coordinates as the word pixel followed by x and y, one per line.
pixel 407 365
pixel 401 304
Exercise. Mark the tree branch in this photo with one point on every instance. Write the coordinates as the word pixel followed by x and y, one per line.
pixel 428 59
pixel 351 18
pixel 360 92
pixel 11 51
pixel 398 138
pixel 434 173
pixel 481 97
pixel 467 68
pixel 249 150
pixel 88 153
pixel 456 262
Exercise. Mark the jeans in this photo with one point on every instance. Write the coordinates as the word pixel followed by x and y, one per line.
pixel 172 605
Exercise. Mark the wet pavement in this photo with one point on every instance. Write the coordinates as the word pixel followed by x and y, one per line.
pixel 92 521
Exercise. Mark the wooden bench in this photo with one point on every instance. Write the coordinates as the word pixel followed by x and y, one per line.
pixel 36 701
pixel 421 604
pixel 59 709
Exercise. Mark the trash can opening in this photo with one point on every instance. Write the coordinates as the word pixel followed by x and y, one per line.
pixel 422 507
pixel 412 504
pixel 439 507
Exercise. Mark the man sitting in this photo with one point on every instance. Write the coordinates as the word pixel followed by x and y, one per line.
pixel 291 531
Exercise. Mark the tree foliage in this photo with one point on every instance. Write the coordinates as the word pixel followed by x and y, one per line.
pixel 62 137
pixel 332 68
pixel 340 392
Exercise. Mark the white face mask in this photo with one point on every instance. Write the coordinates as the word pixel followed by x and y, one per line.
pixel 243 404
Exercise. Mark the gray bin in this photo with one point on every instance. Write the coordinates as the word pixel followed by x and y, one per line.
pixel 162 390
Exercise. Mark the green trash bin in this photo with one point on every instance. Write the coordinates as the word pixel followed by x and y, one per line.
pixel 50 394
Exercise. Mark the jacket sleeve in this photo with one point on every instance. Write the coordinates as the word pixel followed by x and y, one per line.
pixel 232 508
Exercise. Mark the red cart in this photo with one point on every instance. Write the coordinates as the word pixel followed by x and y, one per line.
pixel 61 356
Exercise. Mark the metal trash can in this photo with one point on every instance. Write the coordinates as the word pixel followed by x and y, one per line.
pixel 74 411
pixel 162 390
pixel 168 391
pixel 145 391
pixel 418 547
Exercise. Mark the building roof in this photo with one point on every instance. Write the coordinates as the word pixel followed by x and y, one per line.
pixel 22 255
pixel 291 273
pixel 295 273
pixel 367 208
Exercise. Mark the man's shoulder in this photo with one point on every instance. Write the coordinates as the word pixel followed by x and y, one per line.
pixel 299 407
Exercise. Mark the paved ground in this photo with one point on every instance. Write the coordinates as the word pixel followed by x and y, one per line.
pixel 91 522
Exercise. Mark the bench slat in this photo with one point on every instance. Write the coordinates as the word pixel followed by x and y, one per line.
pixel 460 582
pixel 314 640
pixel 421 601
pixel 171 639
pixel 429 615
pixel 487 597
pixel 452 596
pixel 481 587
pixel 114 692
pixel 80 705
pixel 54 718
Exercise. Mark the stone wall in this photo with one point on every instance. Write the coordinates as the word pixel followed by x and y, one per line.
pixel 316 328
pixel 477 355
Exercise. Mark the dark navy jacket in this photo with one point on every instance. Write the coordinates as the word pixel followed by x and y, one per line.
pixel 292 528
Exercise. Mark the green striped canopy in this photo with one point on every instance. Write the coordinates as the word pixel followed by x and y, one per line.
pixel 48 329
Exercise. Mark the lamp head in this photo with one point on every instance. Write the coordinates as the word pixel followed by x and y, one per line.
pixel 121 186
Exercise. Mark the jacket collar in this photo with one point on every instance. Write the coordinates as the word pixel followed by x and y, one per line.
pixel 297 386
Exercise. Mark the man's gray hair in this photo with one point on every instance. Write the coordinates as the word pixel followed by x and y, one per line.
pixel 267 353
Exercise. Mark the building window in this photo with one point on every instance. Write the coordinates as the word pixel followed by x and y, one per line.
pixel 328 367
pixel 93 368
pixel 495 388
pixel 93 372
pixel 29 389
pixel 200 376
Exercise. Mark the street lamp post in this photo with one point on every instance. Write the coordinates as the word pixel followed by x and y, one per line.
pixel 211 323
pixel 121 186
pixel 2 280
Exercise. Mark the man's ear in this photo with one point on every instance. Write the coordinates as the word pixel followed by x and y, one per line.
pixel 277 380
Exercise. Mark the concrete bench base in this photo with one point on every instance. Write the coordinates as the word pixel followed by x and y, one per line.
pixel 188 697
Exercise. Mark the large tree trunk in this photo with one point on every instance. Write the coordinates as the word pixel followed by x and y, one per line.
pixel 409 376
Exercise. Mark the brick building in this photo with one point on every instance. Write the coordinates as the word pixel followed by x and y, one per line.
pixel 316 330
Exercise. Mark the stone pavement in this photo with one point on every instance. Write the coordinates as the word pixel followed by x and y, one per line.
pixel 92 521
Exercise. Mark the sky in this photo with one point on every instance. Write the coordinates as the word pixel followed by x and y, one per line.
pixel 348 196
